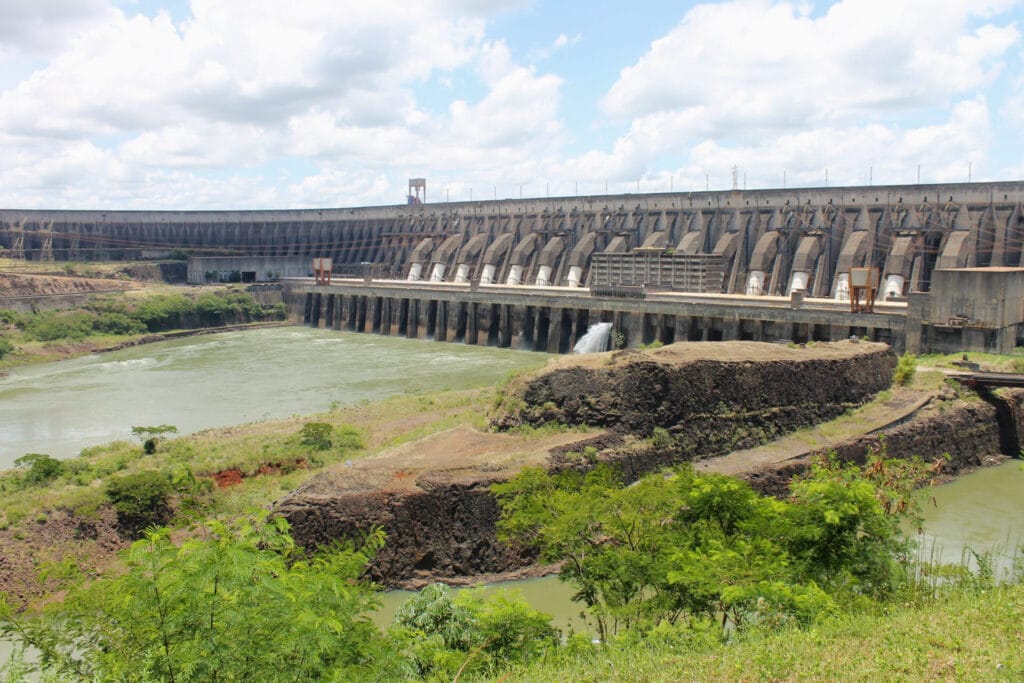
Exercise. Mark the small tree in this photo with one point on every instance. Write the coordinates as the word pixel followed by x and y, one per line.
pixel 40 468
pixel 318 435
pixel 152 436
pixel 141 500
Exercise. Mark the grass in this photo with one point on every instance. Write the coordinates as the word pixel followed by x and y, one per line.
pixel 990 362
pixel 965 636
pixel 245 448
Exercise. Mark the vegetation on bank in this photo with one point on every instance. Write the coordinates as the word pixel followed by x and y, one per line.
pixel 269 458
pixel 115 317
pixel 686 576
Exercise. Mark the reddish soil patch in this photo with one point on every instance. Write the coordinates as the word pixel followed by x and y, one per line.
pixel 234 476
pixel 226 478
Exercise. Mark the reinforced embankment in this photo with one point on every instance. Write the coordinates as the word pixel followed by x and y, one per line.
pixel 650 409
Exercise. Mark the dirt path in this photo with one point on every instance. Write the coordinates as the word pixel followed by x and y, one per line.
pixel 903 404
pixel 461 453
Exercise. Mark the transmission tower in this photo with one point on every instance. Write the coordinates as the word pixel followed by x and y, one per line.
pixel 46 253
pixel 18 248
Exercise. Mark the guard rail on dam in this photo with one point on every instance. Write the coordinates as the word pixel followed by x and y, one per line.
pixel 769 242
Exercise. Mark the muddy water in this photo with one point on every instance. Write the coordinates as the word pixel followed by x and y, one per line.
pixel 983 512
pixel 224 379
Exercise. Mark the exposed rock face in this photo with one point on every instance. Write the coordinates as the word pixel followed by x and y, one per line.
pixel 709 405
pixel 443 530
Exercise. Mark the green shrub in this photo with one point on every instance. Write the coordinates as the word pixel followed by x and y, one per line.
pixel 141 500
pixel 451 633
pixel 56 325
pixel 40 468
pixel 905 369
pixel 5 346
pixel 318 435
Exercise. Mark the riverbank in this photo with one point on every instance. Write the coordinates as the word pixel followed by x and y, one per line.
pixel 92 315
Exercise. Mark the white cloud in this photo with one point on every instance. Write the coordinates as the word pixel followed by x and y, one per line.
pixel 768 66
pixel 241 83
pixel 263 103
pixel 768 86
pixel 44 26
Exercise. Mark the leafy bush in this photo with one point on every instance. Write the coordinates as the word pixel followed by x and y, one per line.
pixel 317 435
pixel 40 468
pixel 905 369
pixel 141 500
pixel 706 546
pixel 57 325
pixel 452 633
pixel 5 346
pixel 240 602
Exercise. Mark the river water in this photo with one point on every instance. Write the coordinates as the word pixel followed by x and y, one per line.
pixel 224 379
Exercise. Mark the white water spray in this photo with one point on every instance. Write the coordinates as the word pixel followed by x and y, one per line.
pixel 595 340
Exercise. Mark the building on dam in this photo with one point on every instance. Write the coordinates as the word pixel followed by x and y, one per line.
pixel 944 263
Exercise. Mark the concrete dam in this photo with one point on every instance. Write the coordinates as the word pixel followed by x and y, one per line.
pixel 535 273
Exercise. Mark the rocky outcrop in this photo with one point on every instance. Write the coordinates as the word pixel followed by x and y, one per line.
pixel 710 403
pixel 435 505
pixel 963 435
pixel 440 529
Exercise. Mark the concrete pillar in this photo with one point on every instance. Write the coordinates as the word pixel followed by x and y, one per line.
pixel 473 323
pixel 337 311
pixel 632 329
pixel 494 325
pixel 329 312
pixel 838 332
pixel 387 306
pixel 413 320
pixel 361 314
pixel 542 329
pixel 430 320
pixel 506 327
pixel 377 314
pixel 730 329
pixel 527 336
pixel 403 317
pixel 441 320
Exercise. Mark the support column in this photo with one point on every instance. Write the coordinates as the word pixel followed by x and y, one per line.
pixel 441 328
pixel 527 336
pixel 473 323
pixel 506 327
pixel 329 313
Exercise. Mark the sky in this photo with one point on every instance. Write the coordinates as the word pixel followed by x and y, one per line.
pixel 253 104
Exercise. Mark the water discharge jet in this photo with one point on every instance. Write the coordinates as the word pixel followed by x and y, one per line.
pixel 595 340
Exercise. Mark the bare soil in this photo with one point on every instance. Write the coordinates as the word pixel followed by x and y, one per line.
pixel 18 285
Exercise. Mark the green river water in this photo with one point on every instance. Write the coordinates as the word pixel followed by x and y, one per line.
pixel 237 377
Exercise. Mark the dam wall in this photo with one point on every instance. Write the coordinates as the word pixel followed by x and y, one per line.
pixel 766 242
pixel 553 319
